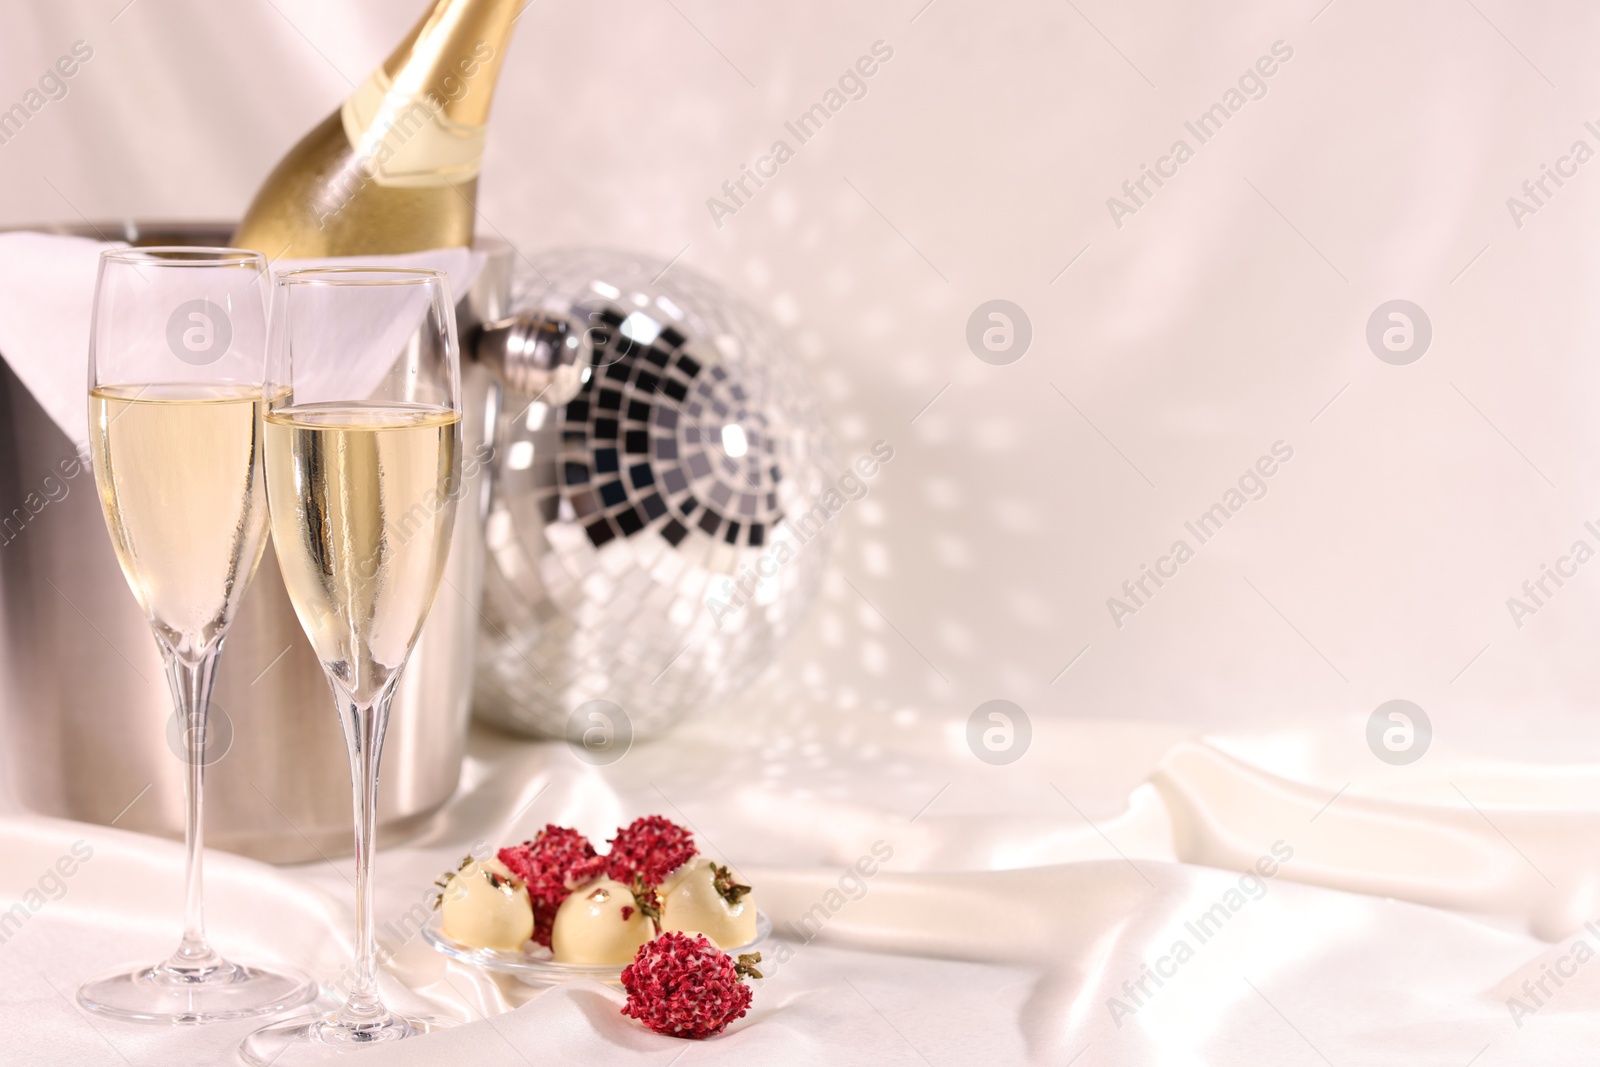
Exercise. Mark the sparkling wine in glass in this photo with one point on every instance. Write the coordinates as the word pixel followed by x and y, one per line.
pixel 176 374
pixel 363 439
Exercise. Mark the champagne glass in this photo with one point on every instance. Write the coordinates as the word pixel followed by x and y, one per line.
pixel 177 355
pixel 363 466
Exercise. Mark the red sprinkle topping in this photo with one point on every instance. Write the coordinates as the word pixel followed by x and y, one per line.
pixel 652 847
pixel 553 864
pixel 627 912
pixel 684 986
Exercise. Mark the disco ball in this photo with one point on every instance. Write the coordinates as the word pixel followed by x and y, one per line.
pixel 653 540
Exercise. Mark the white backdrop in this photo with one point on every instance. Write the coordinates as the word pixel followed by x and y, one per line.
pixel 1169 352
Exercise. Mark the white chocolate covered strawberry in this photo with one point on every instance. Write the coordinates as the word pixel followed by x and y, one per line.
pixel 702 897
pixel 600 922
pixel 486 906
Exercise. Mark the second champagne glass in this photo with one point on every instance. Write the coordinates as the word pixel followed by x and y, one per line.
pixel 363 466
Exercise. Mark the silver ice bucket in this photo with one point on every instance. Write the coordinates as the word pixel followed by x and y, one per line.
pixel 84 708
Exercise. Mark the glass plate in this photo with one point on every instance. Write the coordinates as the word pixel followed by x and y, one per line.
pixel 535 967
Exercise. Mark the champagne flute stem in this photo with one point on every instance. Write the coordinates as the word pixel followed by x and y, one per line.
pixel 364 728
pixel 191 697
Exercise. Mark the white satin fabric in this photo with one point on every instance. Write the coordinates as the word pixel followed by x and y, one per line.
pixel 1024 915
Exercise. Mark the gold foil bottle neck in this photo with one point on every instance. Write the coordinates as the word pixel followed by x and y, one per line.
pixel 395 168
pixel 454 55
pixel 419 119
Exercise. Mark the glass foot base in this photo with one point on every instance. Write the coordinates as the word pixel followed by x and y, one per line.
pixel 322 1039
pixel 180 996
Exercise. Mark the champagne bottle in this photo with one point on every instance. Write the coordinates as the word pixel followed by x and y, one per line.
pixel 395 169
